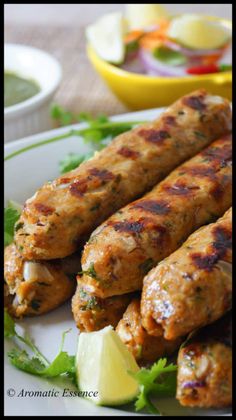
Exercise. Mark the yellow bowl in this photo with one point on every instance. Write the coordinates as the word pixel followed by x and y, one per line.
pixel 142 92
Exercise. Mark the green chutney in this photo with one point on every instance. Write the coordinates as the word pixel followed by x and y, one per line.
pixel 17 89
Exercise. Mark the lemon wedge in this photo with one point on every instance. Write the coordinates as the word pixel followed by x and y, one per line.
pixel 144 15
pixel 106 37
pixel 102 365
pixel 197 32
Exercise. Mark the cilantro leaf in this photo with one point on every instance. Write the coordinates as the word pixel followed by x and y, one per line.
pixel 37 364
pixel 98 133
pixel 9 325
pixel 85 116
pixel 10 332
pixel 63 363
pixel 21 360
pixel 91 272
pixel 62 116
pixel 11 215
pixel 72 161
pixel 168 56
pixel 159 380
pixel 65 117
pixel 225 67
pixel 93 135
pixel 102 118
pixel 98 128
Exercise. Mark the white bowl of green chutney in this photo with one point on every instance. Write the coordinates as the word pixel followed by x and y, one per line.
pixel 31 78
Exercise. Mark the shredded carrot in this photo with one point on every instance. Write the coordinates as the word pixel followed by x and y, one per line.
pixel 150 39
pixel 155 38
pixel 133 36
pixel 210 59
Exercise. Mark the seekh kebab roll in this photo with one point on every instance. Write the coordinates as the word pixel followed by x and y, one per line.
pixel 37 287
pixel 127 245
pixel 205 367
pixel 145 348
pixel 62 214
pixel 193 286
pixel 92 313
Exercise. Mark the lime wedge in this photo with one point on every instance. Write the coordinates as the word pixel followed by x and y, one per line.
pixel 102 365
pixel 106 37
pixel 198 32
pixel 144 15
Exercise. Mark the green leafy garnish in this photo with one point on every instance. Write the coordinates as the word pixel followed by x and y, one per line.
pixel 92 303
pixel 37 364
pixel 61 115
pixel 131 47
pixel 9 325
pixel 225 67
pixel 65 117
pixel 83 294
pixel 200 135
pixel 72 161
pixel 99 131
pixel 168 56
pixel 11 215
pixel 90 272
pixel 158 381
pixel 10 332
pixel 21 360
pixel 63 363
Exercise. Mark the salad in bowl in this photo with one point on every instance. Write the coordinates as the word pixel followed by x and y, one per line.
pixel 148 40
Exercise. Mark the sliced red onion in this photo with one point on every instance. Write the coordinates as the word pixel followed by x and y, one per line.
pixel 134 66
pixel 193 53
pixel 130 56
pixel 154 67
pixel 194 384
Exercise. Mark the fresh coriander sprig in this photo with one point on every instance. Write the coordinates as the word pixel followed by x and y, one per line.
pixel 91 272
pixel 11 215
pixel 72 161
pixel 98 128
pixel 159 380
pixel 64 117
pixel 38 363
pixel 99 134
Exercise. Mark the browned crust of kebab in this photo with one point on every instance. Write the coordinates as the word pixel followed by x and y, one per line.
pixel 133 240
pixel 144 347
pixel 193 286
pixel 205 367
pixel 62 214
pixel 30 298
pixel 92 313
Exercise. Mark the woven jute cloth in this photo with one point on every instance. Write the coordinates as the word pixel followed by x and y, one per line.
pixel 81 88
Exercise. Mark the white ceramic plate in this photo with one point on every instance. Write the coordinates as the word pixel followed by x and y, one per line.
pixel 24 173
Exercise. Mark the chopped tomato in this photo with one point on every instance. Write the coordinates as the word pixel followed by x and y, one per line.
pixel 212 68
